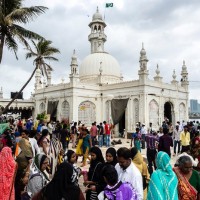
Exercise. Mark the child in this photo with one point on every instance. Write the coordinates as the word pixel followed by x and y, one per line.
pixel 116 190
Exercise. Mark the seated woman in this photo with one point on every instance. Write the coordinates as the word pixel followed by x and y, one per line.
pixel 188 179
pixel 163 184
pixel 38 178
pixel 116 190
pixel 61 186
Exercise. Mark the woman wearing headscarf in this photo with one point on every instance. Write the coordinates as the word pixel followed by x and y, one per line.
pixel 188 179
pixel 23 160
pixel 44 142
pixel 163 184
pixel 96 165
pixel 61 187
pixel 38 178
pixel 71 159
pixel 8 169
pixel 111 156
pixel 142 166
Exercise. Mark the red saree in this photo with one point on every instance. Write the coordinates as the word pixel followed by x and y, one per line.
pixel 185 190
pixel 7 174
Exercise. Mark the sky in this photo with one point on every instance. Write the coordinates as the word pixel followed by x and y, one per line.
pixel 169 29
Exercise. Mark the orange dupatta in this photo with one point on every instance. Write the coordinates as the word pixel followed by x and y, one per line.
pixel 185 190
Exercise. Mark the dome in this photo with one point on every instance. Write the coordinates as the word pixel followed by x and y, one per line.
pixel 97 15
pixel 91 65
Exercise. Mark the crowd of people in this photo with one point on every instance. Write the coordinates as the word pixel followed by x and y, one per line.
pixel 40 161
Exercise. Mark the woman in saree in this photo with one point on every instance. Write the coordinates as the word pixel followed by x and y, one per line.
pixel 142 166
pixel 87 144
pixel 163 184
pixel 188 179
pixel 8 169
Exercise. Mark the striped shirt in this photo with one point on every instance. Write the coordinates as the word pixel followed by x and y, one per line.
pixel 151 141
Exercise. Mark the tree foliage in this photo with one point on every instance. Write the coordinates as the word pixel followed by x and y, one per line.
pixel 12 15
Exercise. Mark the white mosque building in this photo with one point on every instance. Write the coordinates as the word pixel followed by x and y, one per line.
pixel 96 87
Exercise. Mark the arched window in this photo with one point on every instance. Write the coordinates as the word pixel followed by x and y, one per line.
pixel 42 108
pixel 65 110
pixel 154 113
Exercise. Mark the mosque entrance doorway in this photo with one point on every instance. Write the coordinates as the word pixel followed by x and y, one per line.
pixel 122 125
pixel 168 111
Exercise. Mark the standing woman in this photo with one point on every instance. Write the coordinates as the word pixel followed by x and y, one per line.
pixel 87 143
pixel 44 142
pixel 38 178
pixel 62 186
pixel 8 169
pixel 188 179
pixel 111 156
pixel 163 184
pixel 97 162
pixel 142 166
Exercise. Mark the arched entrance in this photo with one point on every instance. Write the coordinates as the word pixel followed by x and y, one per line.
pixel 168 111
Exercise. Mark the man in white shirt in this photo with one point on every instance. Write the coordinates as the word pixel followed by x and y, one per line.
pixel 128 172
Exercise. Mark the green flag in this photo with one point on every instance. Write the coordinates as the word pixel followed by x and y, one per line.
pixel 109 5
pixel 3 127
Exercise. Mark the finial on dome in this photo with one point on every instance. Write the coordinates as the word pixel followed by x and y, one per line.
pixel 74 52
pixel 174 75
pixel 97 9
pixel 142 52
pixel 157 70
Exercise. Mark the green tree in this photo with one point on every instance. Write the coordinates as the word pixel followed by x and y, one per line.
pixel 12 14
pixel 43 51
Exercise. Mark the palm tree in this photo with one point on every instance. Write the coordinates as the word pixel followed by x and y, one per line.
pixel 11 15
pixel 42 51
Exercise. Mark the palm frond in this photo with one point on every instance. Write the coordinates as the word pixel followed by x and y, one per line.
pixel 49 67
pixel 50 58
pixel 11 44
pixel 18 30
pixel 24 15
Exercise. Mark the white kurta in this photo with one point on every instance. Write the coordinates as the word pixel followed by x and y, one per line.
pixel 133 176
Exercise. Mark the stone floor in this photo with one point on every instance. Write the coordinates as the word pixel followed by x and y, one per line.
pixel 125 143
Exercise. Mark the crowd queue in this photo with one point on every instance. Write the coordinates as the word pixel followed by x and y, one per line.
pixel 37 162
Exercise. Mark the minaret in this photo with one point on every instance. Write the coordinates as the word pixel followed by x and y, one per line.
pixel 143 72
pixel 74 77
pixel 37 79
pixel 1 93
pixel 97 37
pixel 184 76
pixel 158 77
